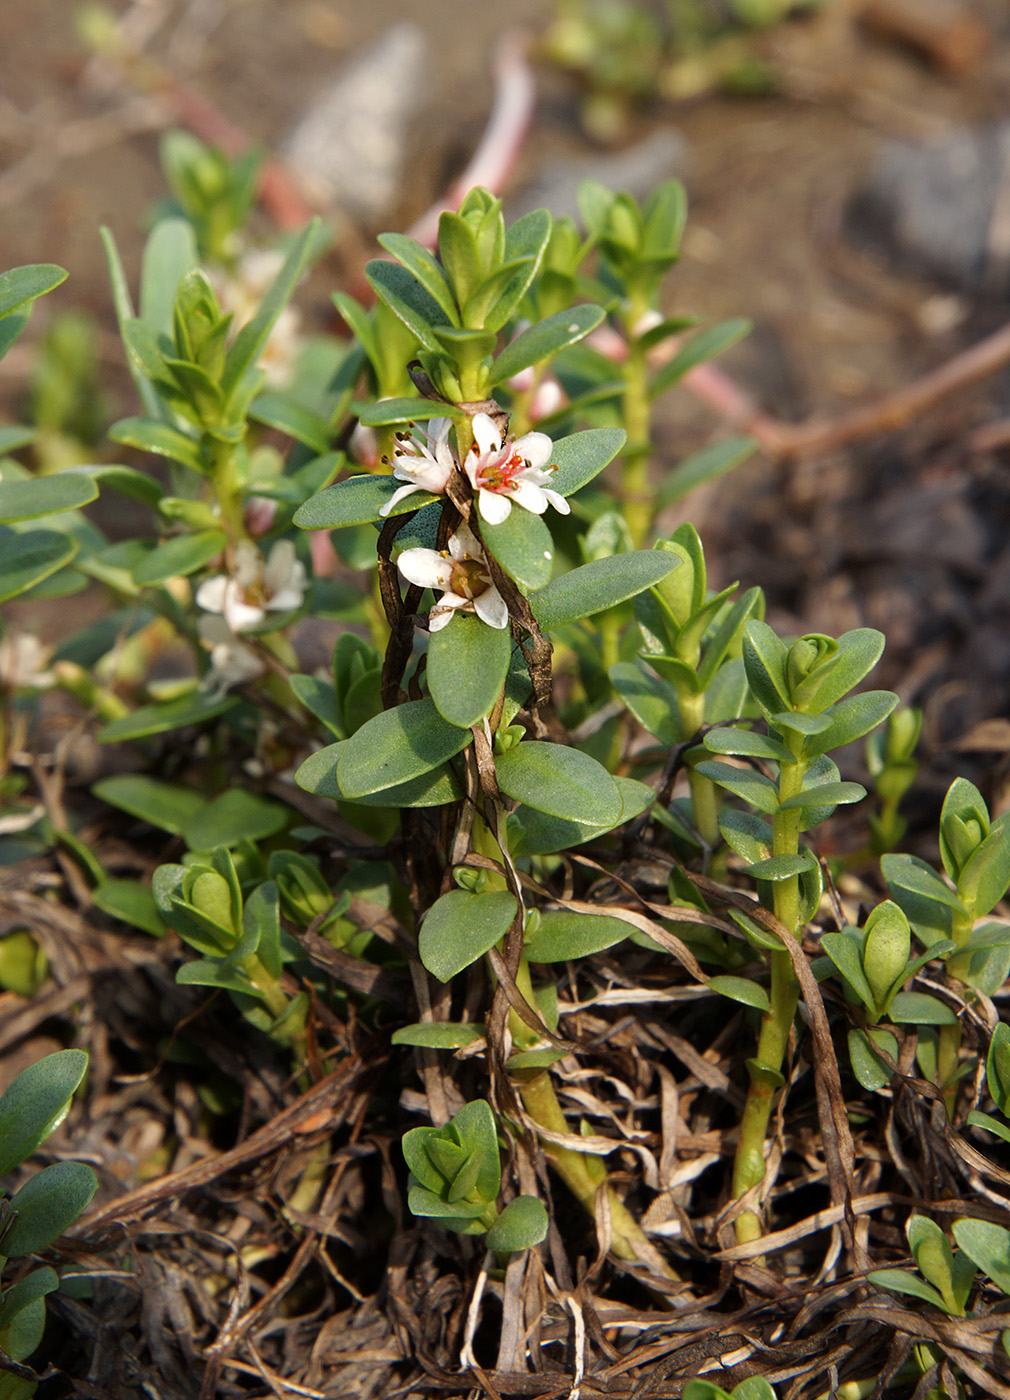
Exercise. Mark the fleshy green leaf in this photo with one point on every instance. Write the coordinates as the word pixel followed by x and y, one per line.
pixel 764 656
pixel 652 701
pixel 180 556
pixel 905 872
pixel 741 989
pixel 235 816
pixel 35 1102
pixel 400 290
pixel 467 664
pixel 851 719
pixel 858 653
pixel 127 481
pixel 438 1035
pixel 396 746
pixel 26 559
pixel 707 465
pixel 581 456
pixel 45 495
pixel 195 707
pixel 388 412
pixel 561 781
pixel 318 774
pixel 534 833
pixel 46 1205
pixel 845 951
pixel 22 285
pixel 898 1281
pixel 425 267
pixel 918 1009
pixel 564 936
pixel 782 867
pixel 356 501
pixel 320 698
pixel 824 795
pixel 169 253
pixel 703 345
pixel 601 584
pixel 287 415
pixel 522 1224
pixel 26 1291
pixel 867 1066
pixel 151 435
pixel 133 903
pixel 460 927
pixel 990 1124
pixel 744 743
pixel 165 805
pixel 544 339
pixel 987 1246
pixel 523 546
pixel 753 787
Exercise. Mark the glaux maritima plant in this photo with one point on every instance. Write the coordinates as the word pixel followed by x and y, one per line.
pixel 443 456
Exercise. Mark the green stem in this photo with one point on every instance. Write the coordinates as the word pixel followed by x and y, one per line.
pixel 228 491
pixel 639 507
pixel 766 1069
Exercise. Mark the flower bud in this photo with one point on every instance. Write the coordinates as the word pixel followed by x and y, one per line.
pixel 468 877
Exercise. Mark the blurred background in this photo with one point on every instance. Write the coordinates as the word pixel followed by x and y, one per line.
pixel 848 169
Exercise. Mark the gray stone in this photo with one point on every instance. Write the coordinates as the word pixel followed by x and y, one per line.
pixel 942 208
pixel 349 148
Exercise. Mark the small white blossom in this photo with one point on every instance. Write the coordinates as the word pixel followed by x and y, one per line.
pixel 424 466
pixel 23 660
pixel 506 471
pixel 255 587
pixel 231 661
pixel 461 575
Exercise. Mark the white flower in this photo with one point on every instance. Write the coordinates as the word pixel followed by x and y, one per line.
pixel 462 576
pixel 22 662
pixel 505 471
pixel 426 467
pixel 254 587
pixel 231 661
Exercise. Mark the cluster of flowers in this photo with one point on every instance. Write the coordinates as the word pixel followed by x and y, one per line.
pixel 502 472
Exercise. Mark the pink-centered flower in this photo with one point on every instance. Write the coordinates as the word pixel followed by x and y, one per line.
pixel 503 471
pixel 423 466
pixel 461 574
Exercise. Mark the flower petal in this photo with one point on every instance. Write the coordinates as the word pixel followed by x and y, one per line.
pixel 535 448
pixel 530 496
pixel 425 567
pixel 491 608
pixel 280 566
pixel 557 501
pixel 399 495
pixel 240 615
pixel 485 434
pixel 464 544
pixel 211 593
pixel 494 506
